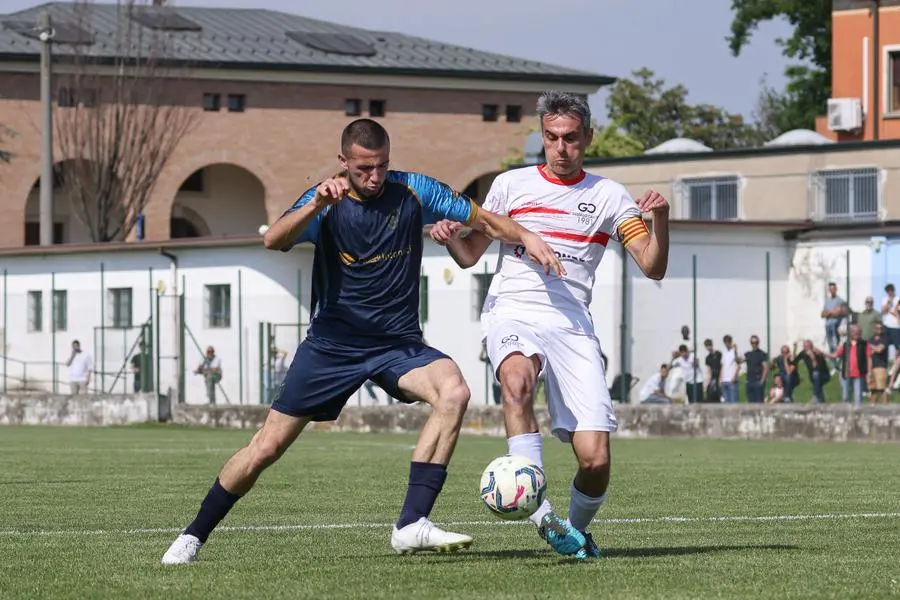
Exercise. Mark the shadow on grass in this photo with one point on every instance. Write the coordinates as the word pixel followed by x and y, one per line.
pixel 687 550
pixel 471 555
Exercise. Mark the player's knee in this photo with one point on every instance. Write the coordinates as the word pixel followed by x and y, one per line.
pixel 596 463
pixel 454 396
pixel 518 388
pixel 264 451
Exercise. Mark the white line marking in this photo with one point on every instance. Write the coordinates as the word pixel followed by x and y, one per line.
pixel 331 526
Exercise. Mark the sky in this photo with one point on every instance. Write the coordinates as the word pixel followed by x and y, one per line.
pixel 609 37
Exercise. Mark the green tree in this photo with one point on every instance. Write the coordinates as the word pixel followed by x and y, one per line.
pixel 650 113
pixel 611 142
pixel 809 82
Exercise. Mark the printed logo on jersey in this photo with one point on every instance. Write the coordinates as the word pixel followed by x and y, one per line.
pixel 510 341
pixel 393 218
pixel 348 259
pixel 587 207
pixel 519 252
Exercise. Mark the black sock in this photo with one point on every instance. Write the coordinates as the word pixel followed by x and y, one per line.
pixel 213 509
pixel 425 483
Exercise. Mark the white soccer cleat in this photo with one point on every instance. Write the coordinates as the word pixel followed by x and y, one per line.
pixel 183 550
pixel 425 536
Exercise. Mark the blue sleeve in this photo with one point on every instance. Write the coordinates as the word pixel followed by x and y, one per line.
pixel 311 233
pixel 438 200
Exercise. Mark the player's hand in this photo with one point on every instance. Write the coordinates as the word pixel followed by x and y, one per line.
pixel 653 202
pixel 445 230
pixel 332 190
pixel 538 251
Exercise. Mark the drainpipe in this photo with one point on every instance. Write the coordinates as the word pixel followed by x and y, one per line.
pixel 176 319
pixel 876 67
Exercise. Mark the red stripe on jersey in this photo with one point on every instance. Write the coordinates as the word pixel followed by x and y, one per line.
pixel 549 176
pixel 598 238
pixel 544 210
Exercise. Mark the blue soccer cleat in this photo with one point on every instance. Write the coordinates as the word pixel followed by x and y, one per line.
pixel 590 548
pixel 561 536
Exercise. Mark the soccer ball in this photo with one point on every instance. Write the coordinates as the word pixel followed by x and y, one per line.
pixel 513 487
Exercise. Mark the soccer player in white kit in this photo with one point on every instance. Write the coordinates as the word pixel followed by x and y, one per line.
pixel 539 324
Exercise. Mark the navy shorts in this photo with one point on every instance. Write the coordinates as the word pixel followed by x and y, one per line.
pixel 320 381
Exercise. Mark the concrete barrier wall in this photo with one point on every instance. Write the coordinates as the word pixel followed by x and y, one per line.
pixel 87 410
pixel 755 422
pixel 786 422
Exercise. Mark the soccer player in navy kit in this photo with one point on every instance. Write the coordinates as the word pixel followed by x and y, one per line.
pixel 367 226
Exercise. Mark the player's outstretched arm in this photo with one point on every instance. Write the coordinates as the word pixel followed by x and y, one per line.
pixel 465 250
pixel 506 230
pixel 650 251
pixel 286 231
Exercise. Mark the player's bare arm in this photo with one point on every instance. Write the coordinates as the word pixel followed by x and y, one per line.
pixel 466 249
pixel 651 252
pixel 286 229
pixel 504 229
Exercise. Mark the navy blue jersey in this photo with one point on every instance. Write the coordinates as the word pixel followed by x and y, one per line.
pixel 369 256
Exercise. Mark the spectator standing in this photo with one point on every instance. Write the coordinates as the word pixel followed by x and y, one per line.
pixel 713 372
pixel 890 318
pixel 689 367
pixel 730 367
pixel 856 365
pixel 81 365
pixel 757 371
pixel 867 319
pixel 211 369
pixel 817 368
pixel 834 311
pixel 878 344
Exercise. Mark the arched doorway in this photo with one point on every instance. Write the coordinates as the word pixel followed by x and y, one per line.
pixel 80 214
pixel 477 190
pixel 218 200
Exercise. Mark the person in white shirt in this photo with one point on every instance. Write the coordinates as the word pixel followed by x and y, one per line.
pixel 889 319
pixel 730 368
pixel 654 389
pixel 690 373
pixel 537 324
pixel 81 365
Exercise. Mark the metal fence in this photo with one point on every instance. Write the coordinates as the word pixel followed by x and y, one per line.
pixel 155 328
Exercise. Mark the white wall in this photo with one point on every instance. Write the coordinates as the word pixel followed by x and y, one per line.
pixel 730 299
pixel 814 265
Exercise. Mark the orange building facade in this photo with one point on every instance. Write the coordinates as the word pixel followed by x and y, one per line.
pixel 865 93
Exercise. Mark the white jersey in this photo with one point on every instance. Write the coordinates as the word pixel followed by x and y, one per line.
pixel 577 218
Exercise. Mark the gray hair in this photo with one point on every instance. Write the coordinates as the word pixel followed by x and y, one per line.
pixel 556 103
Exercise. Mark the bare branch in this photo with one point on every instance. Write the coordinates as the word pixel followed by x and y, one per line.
pixel 123 123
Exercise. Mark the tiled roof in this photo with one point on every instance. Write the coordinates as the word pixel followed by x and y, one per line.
pixel 265 39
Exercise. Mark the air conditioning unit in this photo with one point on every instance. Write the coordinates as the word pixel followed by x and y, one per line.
pixel 845 114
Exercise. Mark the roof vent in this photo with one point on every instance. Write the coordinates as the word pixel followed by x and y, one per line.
pixel 334 43
pixel 63 33
pixel 163 19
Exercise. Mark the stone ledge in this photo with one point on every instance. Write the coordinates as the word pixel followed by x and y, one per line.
pixel 752 422
pixel 86 410
pixel 786 422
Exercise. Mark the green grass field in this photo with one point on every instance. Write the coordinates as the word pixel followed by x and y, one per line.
pixel 87 513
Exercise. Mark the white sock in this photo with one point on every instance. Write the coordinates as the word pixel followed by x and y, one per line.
pixel 530 445
pixel 583 508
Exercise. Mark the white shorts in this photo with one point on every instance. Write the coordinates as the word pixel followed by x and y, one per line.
pixel 577 395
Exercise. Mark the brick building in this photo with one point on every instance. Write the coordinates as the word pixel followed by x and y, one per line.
pixel 272 92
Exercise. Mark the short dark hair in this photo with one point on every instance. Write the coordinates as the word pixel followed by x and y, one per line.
pixel 707 342
pixel 367 133
pixel 727 339
pixel 682 348
pixel 831 283
pixel 889 287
